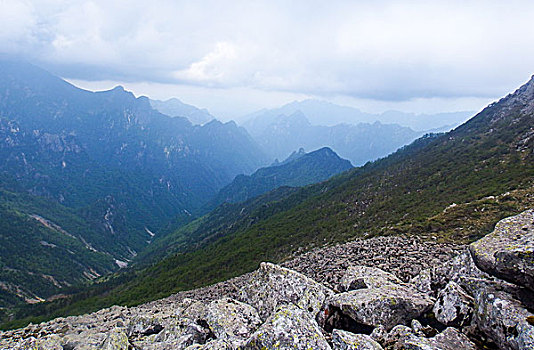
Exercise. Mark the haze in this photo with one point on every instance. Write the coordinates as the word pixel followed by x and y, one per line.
pixel 239 56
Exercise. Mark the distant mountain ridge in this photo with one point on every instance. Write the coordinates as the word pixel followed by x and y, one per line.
pixel 112 169
pixel 329 114
pixel 175 108
pixel 281 134
pixel 299 169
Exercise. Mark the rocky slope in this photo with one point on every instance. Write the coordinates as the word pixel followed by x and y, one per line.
pixel 423 296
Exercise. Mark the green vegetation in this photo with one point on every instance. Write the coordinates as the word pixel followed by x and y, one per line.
pixel 409 192
pixel 299 169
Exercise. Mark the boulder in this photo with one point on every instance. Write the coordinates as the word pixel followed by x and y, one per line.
pixel 289 327
pixel 358 277
pixel 508 252
pixel 116 340
pixel 454 306
pixel 388 305
pixel 396 335
pixel 432 280
pixel 228 318
pixel 342 340
pixel 185 332
pixel 272 285
pixel 144 325
pixel 500 316
pixel 216 344
pixel 449 339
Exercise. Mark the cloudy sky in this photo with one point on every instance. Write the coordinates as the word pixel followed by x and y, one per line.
pixel 237 56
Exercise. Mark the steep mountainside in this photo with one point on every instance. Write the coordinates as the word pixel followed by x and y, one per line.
pixel 453 187
pixel 299 169
pixel 281 134
pixel 176 108
pixel 326 113
pixel 119 168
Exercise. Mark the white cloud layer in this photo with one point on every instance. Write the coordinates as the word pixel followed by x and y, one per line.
pixel 379 50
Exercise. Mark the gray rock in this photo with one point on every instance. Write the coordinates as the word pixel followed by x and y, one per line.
pixel 288 328
pixel 116 340
pixel 184 332
pixel 217 344
pixel 449 339
pixel 397 335
pixel 342 340
pixel 454 306
pixel 388 305
pixel 272 285
pixel 144 325
pixel 432 280
pixel 379 334
pixel 508 252
pixel 422 331
pixel 501 317
pixel 358 277
pixel 229 318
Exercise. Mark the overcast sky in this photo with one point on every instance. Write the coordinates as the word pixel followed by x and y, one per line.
pixel 237 56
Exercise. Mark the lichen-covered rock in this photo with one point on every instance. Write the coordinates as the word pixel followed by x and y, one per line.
pixel 49 343
pixel 500 316
pixel 272 285
pixel 508 252
pixel 184 332
pixel 454 306
pixel 449 339
pixel 432 280
pixel 289 327
pixel 217 344
pixel 144 325
pixel 388 305
pixel 86 340
pixel 358 277
pixel 342 340
pixel 229 318
pixel 193 309
pixel 116 340
pixel 396 335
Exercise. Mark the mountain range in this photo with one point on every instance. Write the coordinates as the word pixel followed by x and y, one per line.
pixel 450 187
pixel 175 108
pixel 280 134
pixel 88 179
pixel 326 113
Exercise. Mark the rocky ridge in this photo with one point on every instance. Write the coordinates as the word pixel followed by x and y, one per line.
pixel 379 293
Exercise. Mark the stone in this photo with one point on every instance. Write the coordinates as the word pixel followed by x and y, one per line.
pixel 185 332
pixel 342 340
pixel 358 277
pixel 144 325
pixel 508 252
pixel 272 285
pixel 289 327
pixel 379 334
pixel 449 339
pixel 454 306
pixel 217 344
pixel 388 305
pixel 229 318
pixel 396 335
pixel 116 340
pixel 501 317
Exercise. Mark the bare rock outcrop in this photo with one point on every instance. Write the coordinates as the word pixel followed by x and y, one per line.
pixel 508 252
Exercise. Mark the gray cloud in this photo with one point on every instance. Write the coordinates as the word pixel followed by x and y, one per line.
pixel 384 50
